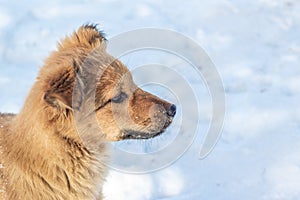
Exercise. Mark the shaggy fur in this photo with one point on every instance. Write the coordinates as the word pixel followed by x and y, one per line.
pixel 53 149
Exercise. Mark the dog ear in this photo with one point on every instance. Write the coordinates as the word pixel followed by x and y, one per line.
pixel 88 36
pixel 65 90
pixel 91 34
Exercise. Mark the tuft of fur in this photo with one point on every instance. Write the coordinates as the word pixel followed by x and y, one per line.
pixel 87 36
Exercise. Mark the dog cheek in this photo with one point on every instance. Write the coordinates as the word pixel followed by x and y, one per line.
pixel 108 125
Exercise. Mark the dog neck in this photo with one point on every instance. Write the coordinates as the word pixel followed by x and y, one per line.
pixel 51 150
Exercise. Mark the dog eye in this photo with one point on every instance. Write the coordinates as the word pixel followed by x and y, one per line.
pixel 118 99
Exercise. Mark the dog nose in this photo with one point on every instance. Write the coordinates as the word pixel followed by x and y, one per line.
pixel 171 111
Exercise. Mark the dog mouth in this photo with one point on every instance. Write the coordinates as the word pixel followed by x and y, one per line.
pixel 131 134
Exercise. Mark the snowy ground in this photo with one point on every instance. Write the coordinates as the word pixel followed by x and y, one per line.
pixel 256 48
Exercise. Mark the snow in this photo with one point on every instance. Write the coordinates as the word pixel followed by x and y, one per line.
pixel 5 18
pixel 255 46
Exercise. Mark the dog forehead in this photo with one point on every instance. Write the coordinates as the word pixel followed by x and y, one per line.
pixel 114 77
pixel 116 72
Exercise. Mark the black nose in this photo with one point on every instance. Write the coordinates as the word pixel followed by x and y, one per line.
pixel 171 111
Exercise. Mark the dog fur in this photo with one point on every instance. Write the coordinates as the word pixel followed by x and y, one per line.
pixel 44 153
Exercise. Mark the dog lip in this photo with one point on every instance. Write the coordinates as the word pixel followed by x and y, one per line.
pixel 131 134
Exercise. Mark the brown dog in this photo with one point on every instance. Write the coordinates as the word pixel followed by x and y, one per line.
pixel 53 149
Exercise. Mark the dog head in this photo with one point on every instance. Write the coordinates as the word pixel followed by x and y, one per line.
pixel 81 76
